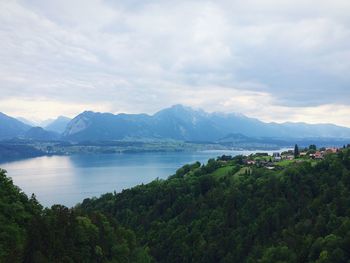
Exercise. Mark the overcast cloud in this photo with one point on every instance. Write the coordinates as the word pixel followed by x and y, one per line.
pixel 282 60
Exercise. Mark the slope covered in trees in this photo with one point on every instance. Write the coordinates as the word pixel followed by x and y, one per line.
pixel 213 213
pixel 220 212
pixel 29 233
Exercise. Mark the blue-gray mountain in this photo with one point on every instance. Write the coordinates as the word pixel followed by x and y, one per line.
pixel 26 121
pixel 184 123
pixel 14 128
pixel 11 127
pixel 40 134
pixel 58 125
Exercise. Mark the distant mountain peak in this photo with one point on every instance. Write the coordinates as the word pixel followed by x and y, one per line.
pixel 11 127
pixel 79 123
pixel 181 122
pixel 26 121
pixel 58 125
pixel 181 111
pixel 88 112
pixel 62 118
pixel 180 107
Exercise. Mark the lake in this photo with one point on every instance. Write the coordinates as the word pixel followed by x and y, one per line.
pixel 68 180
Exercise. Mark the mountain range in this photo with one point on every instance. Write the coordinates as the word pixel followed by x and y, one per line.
pixel 11 127
pixel 177 123
pixel 184 123
pixel 56 125
pixel 25 129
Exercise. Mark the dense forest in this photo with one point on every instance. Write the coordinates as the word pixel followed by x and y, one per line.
pixel 218 212
pixel 29 233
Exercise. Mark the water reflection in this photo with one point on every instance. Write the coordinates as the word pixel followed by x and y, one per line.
pixel 69 179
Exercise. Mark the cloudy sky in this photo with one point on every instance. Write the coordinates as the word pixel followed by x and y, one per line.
pixel 277 60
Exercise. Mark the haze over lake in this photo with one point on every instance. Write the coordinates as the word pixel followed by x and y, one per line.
pixel 68 180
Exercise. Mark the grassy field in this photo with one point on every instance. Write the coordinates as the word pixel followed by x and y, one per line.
pixel 222 171
pixel 243 170
pixel 263 158
pixel 284 163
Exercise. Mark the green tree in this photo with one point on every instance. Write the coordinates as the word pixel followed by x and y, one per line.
pixel 296 151
pixel 279 254
pixel 313 147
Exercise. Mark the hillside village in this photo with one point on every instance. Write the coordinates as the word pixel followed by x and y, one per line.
pixel 278 160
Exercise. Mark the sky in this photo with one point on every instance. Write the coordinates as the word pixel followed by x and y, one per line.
pixel 276 60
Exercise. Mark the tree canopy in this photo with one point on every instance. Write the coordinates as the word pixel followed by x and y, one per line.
pixel 29 233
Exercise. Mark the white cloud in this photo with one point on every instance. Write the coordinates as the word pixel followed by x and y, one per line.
pixel 41 109
pixel 276 60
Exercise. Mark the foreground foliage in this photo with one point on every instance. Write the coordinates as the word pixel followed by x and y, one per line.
pixel 299 214
pixel 29 233
pixel 220 212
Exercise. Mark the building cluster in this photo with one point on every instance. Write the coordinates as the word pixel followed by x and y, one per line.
pixel 270 161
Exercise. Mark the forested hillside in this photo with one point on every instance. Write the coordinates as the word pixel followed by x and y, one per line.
pixel 215 214
pixel 29 233
pixel 220 212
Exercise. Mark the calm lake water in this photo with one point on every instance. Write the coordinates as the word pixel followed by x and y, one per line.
pixel 68 180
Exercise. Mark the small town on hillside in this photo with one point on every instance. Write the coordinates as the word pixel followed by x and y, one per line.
pixel 278 160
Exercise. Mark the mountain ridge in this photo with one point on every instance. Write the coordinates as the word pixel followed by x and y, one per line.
pixel 58 125
pixel 40 134
pixel 178 122
pixel 185 123
pixel 11 127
